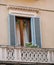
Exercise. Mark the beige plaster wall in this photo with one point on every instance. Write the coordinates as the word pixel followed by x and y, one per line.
pixel 47 27
pixel 3 25
pixel 47 19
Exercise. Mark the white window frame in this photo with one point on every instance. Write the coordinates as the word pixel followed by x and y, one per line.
pixel 28 14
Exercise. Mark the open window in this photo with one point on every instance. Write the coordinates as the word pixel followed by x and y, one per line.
pixel 24 30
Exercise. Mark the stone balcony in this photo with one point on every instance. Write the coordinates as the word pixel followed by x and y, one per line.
pixel 26 55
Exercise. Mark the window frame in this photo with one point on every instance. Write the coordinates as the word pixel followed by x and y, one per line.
pixel 28 14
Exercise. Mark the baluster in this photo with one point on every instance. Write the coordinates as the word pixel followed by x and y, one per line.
pixel 1 54
pixel 19 50
pixel 52 56
pixel 48 56
pixel 15 54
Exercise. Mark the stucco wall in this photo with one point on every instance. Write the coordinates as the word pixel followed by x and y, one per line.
pixel 3 25
pixel 47 19
pixel 47 25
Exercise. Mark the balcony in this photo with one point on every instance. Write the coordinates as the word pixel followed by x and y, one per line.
pixel 24 55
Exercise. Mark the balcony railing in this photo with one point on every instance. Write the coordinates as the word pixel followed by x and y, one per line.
pixel 16 54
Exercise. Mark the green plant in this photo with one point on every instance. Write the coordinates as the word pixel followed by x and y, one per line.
pixel 24 23
pixel 28 44
pixel 17 21
pixel 32 46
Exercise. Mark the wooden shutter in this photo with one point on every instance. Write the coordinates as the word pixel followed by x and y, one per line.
pixel 35 31
pixel 12 35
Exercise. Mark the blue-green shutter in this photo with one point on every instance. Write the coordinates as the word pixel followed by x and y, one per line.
pixel 12 35
pixel 35 31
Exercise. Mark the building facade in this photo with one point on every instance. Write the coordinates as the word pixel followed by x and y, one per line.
pixel 24 22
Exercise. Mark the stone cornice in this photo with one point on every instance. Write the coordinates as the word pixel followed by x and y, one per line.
pixel 3 4
pixel 29 8
pixel 24 8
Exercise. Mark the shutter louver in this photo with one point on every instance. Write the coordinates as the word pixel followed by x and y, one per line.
pixel 12 38
pixel 35 31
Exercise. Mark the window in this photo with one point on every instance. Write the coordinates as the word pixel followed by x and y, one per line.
pixel 23 30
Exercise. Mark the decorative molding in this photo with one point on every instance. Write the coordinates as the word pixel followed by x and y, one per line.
pixel 24 8
pixel 3 4
pixel 28 8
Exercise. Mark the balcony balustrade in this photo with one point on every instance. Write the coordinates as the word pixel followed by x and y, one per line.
pixel 24 55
